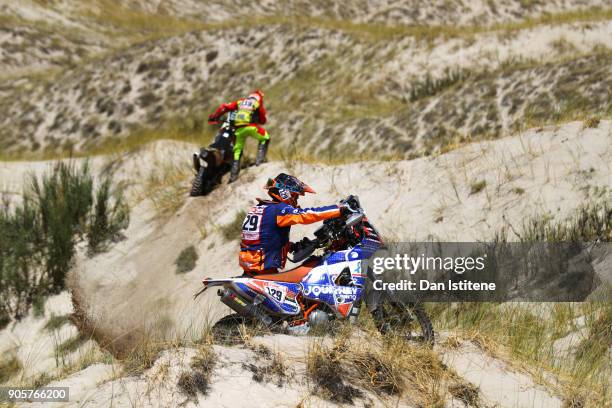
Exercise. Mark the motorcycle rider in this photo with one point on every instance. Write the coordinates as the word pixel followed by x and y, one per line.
pixel 246 114
pixel 265 229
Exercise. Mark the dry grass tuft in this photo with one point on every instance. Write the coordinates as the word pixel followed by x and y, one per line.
pixel 167 188
pixel 384 366
pixel 142 356
pixel 591 123
pixel 198 380
pixel 326 370
pixel 466 393
pixel 9 366
pixel 477 186
pixel 275 371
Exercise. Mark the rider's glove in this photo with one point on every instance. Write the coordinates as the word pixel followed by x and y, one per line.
pixel 345 209
pixel 212 118
pixel 296 246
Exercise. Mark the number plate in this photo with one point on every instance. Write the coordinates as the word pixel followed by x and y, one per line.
pixel 251 225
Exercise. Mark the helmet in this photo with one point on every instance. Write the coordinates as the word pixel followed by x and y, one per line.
pixel 257 94
pixel 287 188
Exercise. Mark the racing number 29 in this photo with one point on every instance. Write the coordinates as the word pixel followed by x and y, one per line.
pixel 251 222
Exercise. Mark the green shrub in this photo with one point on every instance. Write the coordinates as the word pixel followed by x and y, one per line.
pixel 108 218
pixel 38 235
pixel 5 319
pixel 38 306
pixel 62 200
pixel 70 345
pixel 186 260
pixel 55 322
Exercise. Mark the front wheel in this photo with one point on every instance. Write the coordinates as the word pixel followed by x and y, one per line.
pixel 409 320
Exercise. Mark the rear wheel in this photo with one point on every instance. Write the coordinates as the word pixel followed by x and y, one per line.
pixel 227 329
pixel 197 187
pixel 408 320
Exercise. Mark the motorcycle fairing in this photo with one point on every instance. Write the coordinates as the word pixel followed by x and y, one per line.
pixel 320 286
pixel 280 297
pixel 364 250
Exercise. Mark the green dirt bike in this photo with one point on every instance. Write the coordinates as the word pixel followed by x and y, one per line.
pixel 213 162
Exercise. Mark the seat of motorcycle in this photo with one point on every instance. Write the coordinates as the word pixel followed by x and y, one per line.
pixel 294 275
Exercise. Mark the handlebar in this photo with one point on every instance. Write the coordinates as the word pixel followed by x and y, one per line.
pixel 332 230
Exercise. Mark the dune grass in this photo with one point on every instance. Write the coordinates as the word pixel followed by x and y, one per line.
pixel 137 24
pixel 70 345
pixel 131 21
pixel 55 322
pixel 384 32
pixel 166 187
pixel 199 378
pixel 9 367
pixel 529 334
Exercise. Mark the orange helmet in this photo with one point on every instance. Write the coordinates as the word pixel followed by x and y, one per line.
pixel 287 189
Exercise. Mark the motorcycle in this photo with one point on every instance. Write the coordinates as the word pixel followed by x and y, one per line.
pixel 325 287
pixel 214 161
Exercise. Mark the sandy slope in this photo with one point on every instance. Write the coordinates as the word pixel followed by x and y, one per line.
pixel 135 282
pixel 549 171
pixel 133 288
pixel 234 385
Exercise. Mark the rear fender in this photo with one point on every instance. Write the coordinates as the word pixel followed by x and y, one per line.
pixel 209 283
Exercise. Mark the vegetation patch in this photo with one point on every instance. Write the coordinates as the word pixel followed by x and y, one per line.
pixel 198 380
pixel 591 222
pixel 528 334
pixel 274 368
pixel 9 366
pixel 477 186
pixel 55 322
pixel 466 393
pixel 186 260
pixel 70 345
pixel 38 235
pixel 325 369
pixel 380 373
pixel 592 122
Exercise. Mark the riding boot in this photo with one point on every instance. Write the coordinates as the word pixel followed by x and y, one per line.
pixel 262 150
pixel 235 170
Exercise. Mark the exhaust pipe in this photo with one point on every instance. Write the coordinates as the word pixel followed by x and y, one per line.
pixel 244 308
